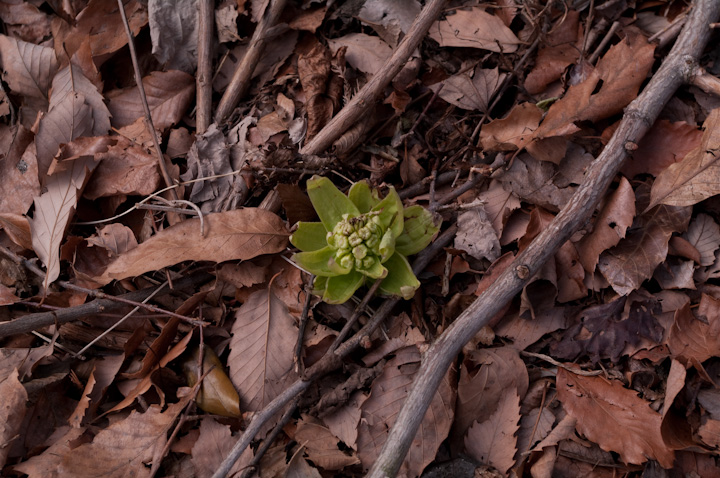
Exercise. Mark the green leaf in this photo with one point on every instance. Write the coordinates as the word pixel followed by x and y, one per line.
pixel 329 203
pixel 339 289
pixel 387 246
pixel 420 228
pixel 319 285
pixel 376 271
pixel 320 262
pixel 400 280
pixel 309 236
pixel 362 197
pixel 391 215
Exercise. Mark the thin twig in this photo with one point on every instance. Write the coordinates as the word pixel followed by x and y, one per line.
pixel 143 99
pixel 365 98
pixel 243 73
pixel 639 117
pixel 206 22
pixel 297 358
pixel 359 309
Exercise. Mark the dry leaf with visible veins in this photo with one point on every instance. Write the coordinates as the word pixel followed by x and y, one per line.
pixel 321 446
pixel 614 417
pixel 471 90
pixel 697 176
pixel 380 410
pixel 261 349
pixel 514 131
pixel 53 211
pixel 474 28
pixel 493 441
pixel 704 234
pixel 28 69
pixel 213 446
pixel 239 234
pixel 696 339
pixel 366 53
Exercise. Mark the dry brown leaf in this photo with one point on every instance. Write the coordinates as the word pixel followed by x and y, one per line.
pixel 666 143
pixel 380 410
pixel 493 441
pixel 366 53
pixel 18 170
pixel 614 417
pixel 609 227
pixel 213 446
pixel 675 429
pixel 476 234
pixel 54 210
pixel 535 426
pixel 7 295
pixel 635 258
pixel 471 90
pixel 321 446
pixel 261 349
pixel 124 169
pixel 239 234
pixel 512 132
pixel 217 394
pixel 621 71
pixel 122 449
pixel 169 93
pixel 525 332
pixel 474 28
pixel 27 68
pixel 12 412
pixel 314 71
pixel 704 234
pixel 343 421
pixel 486 375
pixel 697 176
pixel 102 376
pixel 532 180
pixel 499 204
pixel 696 339
pixel 17 228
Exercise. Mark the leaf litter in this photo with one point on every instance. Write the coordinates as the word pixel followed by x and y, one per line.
pixel 606 363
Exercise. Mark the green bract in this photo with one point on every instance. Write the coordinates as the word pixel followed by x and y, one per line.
pixel 360 237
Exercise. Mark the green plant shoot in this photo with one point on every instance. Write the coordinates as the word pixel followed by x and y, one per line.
pixel 361 238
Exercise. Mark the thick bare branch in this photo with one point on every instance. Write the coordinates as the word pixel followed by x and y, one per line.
pixel 638 118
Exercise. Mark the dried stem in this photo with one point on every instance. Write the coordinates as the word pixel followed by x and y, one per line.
pixel 206 21
pixel 639 117
pixel 365 98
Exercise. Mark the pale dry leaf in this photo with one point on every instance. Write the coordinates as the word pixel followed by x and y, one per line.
pixel 169 93
pixel 366 53
pixel 239 234
pixel 173 32
pixel 609 227
pixel 261 349
pixel 54 210
pixel 390 18
pixel 532 180
pixel 343 421
pixel 697 176
pixel 499 203
pixel 512 132
pixel 534 427
pixel 493 441
pixel 18 170
pixel 476 235
pixel 122 449
pixel 474 28
pixel 226 15
pixel 71 79
pixel 213 446
pixel 471 91
pixel 12 412
pixel 27 68
pixel 380 410
pixel 704 233
pixel 68 119
pixel 563 430
pixel 614 417
pixel 321 446
pixel 298 467
pixel 25 21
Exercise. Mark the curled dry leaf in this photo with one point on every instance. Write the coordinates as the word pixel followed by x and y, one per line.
pixel 321 446
pixel 471 90
pixel 217 394
pixel 12 411
pixel 614 417
pixel 696 339
pixel 704 234
pixel 28 69
pixel 239 234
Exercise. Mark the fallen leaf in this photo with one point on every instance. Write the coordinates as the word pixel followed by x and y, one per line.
pixel 476 235
pixel 169 93
pixel 512 132
pixel 54 210
pixel 239 234
pixel 696 339
pixel 321 446
pixel 366 53
pixel 390 18
pixel 474 28
pixel 697 176
pixel 12 412
pixel 217 394
pixel 380 410
pixel 27 68
pixel 493 441
pixel 173 32
pixel 261 349
pixel 471 90
pixel 704 233
pixel 213 446
pixel 18 170
pixel 614 417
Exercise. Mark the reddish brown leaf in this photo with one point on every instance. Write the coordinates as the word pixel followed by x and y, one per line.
pixel 473 90
pixel 18 170
pixel 493 441
pixel 474 28
pixel 512 132
pixel 261 349
pixel 12 411
pixel 213 446
pixel 321 446
pixel 694 339
pixel 614 417
pixel 231 235
pixel 381 408
pixel 168 93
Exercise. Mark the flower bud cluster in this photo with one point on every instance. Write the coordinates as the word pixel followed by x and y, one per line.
pixel 355 240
